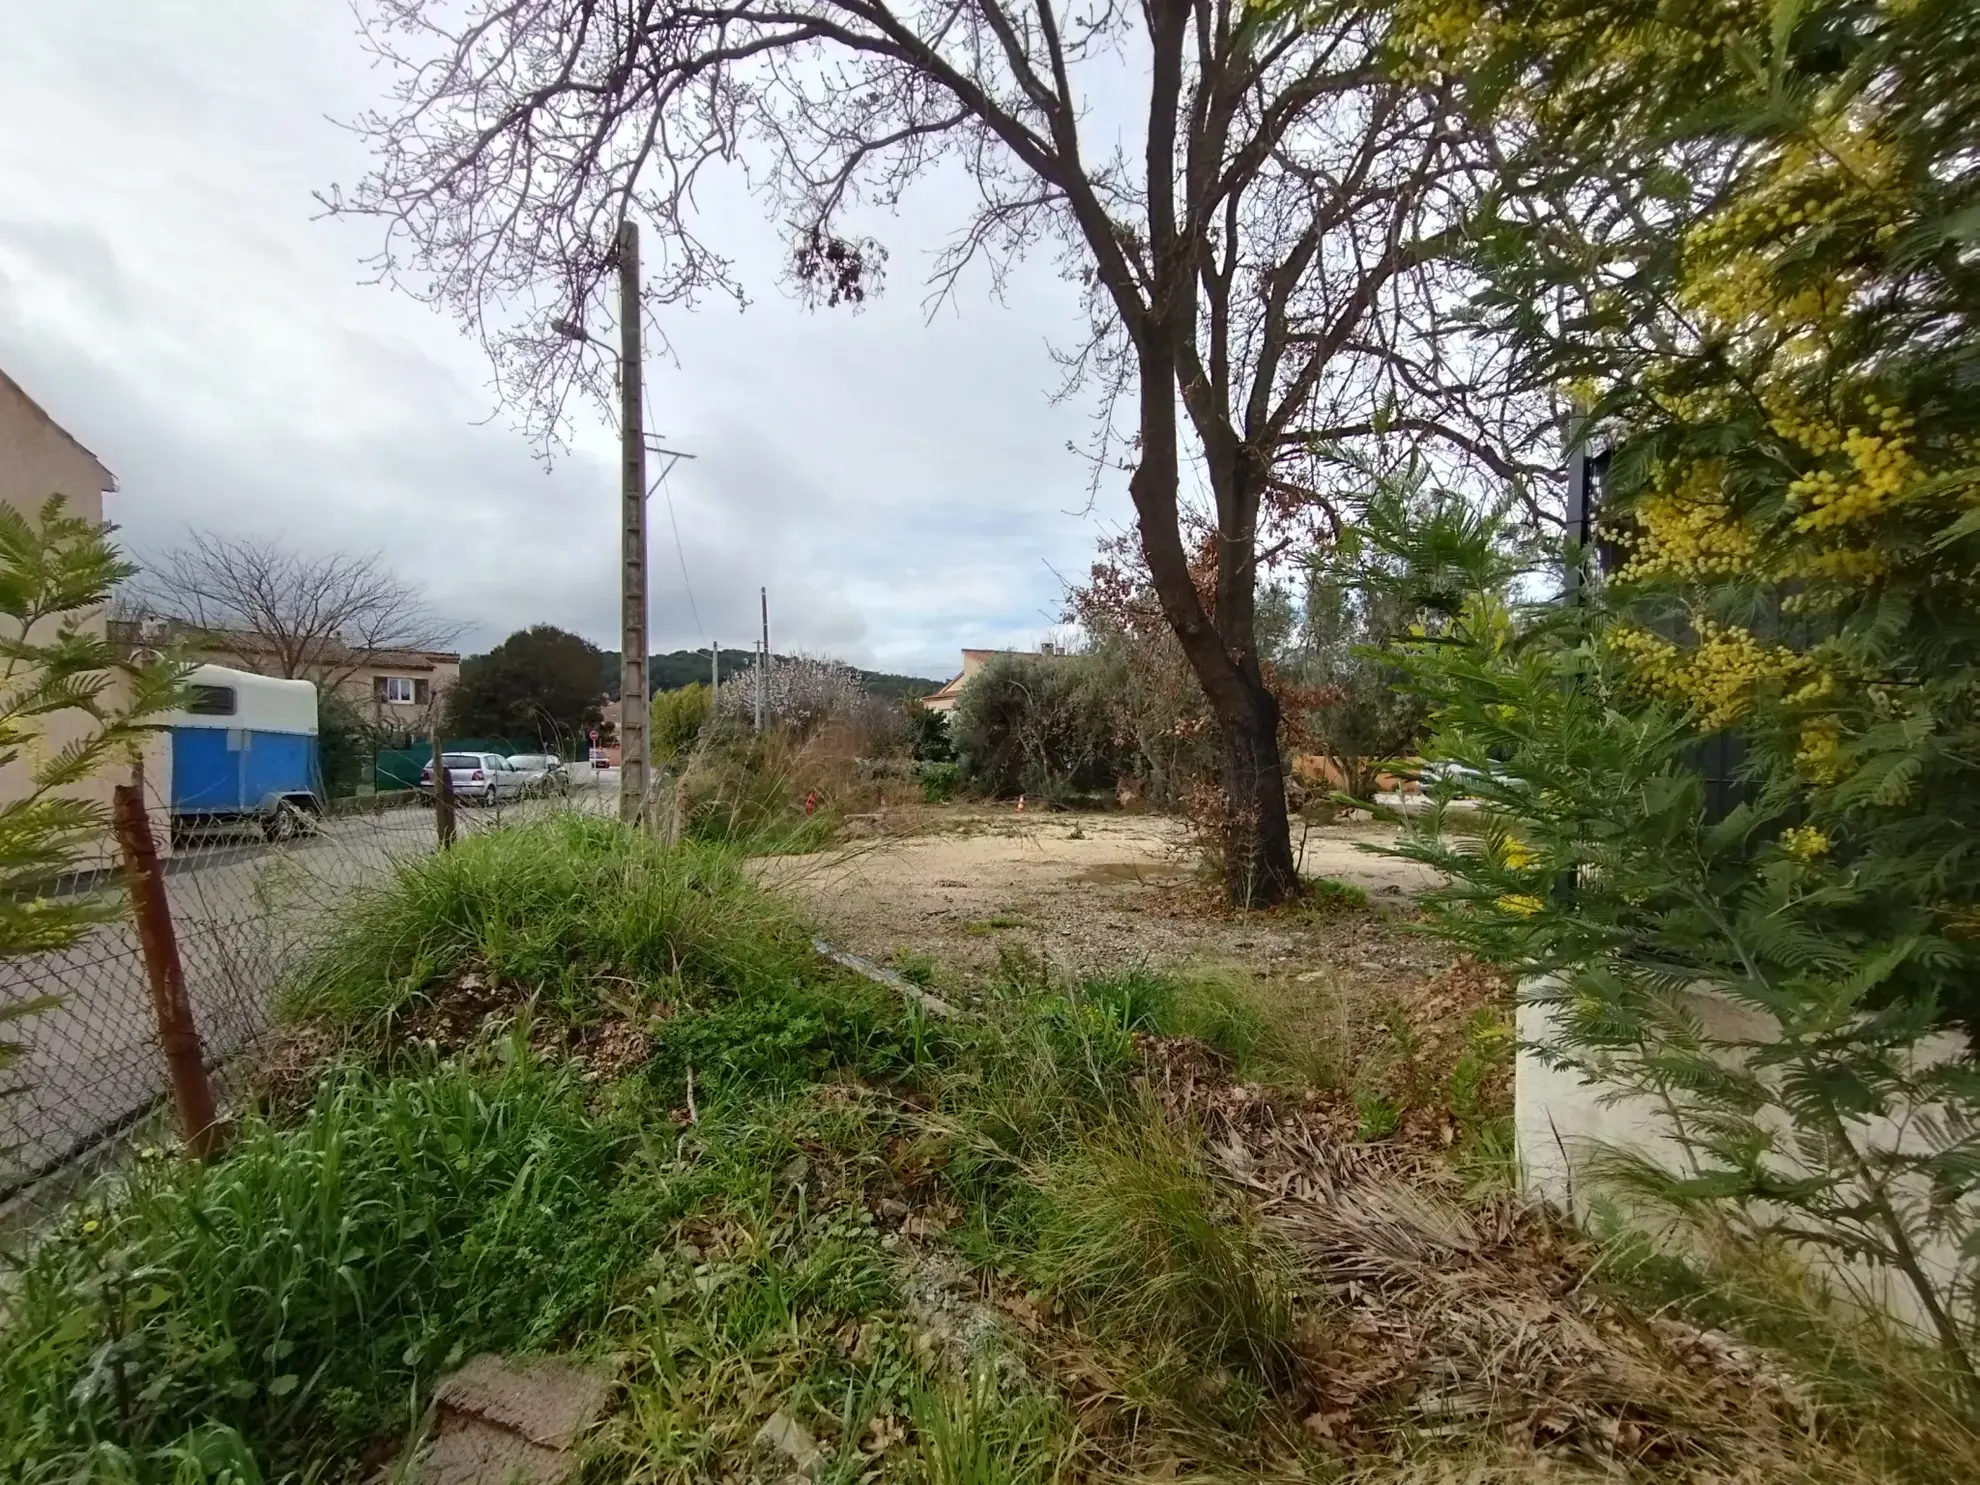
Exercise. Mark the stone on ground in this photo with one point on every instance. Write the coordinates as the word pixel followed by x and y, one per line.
pixel 497 1422
pixel 790 1441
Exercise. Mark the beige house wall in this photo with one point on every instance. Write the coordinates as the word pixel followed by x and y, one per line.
pixel 441 670
pixel 38 458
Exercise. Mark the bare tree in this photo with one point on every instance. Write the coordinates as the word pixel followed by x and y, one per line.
pixel 277 612
pixel 1259 214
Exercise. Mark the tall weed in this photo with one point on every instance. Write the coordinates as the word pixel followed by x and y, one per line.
pixel 301 1291
pixel 1135 1234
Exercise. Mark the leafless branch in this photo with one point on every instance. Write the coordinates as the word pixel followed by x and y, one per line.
pixel 1262 223
pixel 277 612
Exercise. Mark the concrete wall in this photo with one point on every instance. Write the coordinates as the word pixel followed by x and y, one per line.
pixel 1560 1121
pixel 38 459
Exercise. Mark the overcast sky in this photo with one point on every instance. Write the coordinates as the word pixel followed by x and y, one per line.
pixel 902 486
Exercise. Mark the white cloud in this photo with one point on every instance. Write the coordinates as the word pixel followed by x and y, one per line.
pixel 901 486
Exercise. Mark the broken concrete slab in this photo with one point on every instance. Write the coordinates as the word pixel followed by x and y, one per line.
pixel 471 1452
pixel 548 1401
pixel 499 1422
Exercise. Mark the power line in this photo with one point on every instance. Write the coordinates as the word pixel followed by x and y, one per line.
pixel 680 552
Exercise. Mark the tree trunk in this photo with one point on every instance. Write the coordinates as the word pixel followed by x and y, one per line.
pixel 1258 861
pixel 1259 870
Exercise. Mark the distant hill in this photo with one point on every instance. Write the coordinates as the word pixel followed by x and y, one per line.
pixel 681 668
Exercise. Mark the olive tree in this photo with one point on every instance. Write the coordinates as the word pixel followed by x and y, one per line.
pixel 1256 210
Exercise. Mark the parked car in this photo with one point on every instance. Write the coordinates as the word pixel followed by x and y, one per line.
pixel 477 778
pixel 1457 775
pixel 1462 781
pixel 542 773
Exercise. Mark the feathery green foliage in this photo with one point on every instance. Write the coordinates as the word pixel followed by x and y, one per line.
pixel 1744 242
pixel 56 573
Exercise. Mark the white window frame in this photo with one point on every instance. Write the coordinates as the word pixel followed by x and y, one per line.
pixel 392 685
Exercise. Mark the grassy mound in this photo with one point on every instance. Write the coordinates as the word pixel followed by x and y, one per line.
pixel 579 911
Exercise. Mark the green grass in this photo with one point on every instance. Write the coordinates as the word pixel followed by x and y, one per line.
pixel 1330 896
pixel 1134 1232
pixel 983 1431
pixel 302 1289
pixel 916 968
pixel 580 910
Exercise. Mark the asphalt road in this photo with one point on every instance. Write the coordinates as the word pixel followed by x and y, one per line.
pixel 244 912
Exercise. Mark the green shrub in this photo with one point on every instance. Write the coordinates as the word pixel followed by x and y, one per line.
pixel 1039 725
pixel 928 735
pixel 939 781
pixel 678 717
pixel 1753 746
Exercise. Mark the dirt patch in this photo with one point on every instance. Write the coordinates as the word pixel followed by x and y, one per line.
pixel 1089 891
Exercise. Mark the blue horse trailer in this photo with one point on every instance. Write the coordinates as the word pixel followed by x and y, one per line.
pixel 244 753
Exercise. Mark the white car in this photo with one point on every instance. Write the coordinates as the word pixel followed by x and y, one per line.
pixel 542 773
pixel 478 778
pixel 1430 775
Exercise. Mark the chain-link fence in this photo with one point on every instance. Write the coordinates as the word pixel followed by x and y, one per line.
pixel 245 908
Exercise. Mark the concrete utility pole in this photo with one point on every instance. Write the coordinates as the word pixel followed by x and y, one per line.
pixel 763 678
pixel 715 667
pixel 634 719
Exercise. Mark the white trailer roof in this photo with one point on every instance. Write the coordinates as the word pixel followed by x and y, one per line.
pixel 261 703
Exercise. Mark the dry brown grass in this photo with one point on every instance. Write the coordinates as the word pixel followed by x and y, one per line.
pixel 1477 1340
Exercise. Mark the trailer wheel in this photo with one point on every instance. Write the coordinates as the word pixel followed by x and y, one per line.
pixel 286 823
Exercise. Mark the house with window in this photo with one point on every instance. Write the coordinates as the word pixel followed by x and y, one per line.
pixel 943 701
pixel 392 690
pixel 398 689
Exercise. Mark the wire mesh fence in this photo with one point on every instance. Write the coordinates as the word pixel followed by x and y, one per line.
pixel 248 902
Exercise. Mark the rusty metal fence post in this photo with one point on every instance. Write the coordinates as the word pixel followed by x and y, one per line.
pixel 178 1036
